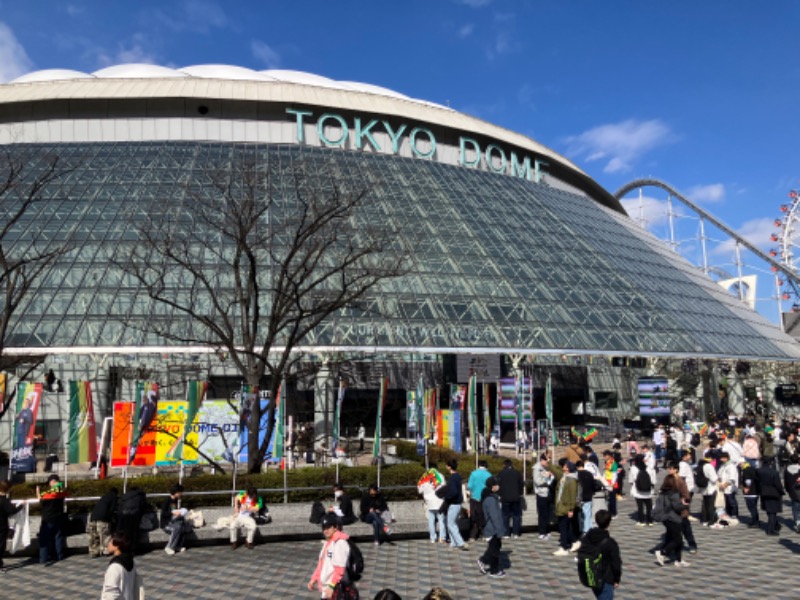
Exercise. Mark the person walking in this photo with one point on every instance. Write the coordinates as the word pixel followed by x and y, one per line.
pixel 454 497
pixel 511 488
pixel 121 581
pixel 475 485
pixel 426 487
pixel 751 493
pixel 729 484
pixel 585 496
pixel 599 541
pixel 493 530
pixel 669 508
pixel 772 493
pixel 642 485
pixel 543 480
pixel 132 505
pixel 331 569
pixel 566 501
pixel 683 492
pixel 791 482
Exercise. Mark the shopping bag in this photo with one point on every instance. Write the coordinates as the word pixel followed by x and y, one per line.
pixel 22 530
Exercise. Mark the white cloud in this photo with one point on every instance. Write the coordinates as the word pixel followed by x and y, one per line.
pixel 755 231
pixel 197 16
pixel 265 54
pixel 621 144
pixel 711 193
pixel 14 61
pixel 504 43
pixel 134 50
pixel 466 30
pixel 648 212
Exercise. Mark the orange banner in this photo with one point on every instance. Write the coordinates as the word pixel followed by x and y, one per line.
pixel 146 453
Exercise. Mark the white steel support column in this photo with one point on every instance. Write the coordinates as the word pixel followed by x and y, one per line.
pixel 323 406
pixel 739 269
pixel 671 216
pixel 780 301
pixel 703 244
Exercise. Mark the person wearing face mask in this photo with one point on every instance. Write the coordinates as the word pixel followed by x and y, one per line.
pixel 342 505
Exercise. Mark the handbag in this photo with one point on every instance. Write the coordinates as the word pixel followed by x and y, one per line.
pixel 345 590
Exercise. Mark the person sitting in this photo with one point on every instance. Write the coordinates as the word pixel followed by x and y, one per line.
pixel 373 510
pixel 342 505
pixel 173 520
pixel 248 505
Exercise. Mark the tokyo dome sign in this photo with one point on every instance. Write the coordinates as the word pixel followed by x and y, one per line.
pixel 333 130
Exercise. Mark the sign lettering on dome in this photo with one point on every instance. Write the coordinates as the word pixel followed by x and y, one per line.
pixel 334 131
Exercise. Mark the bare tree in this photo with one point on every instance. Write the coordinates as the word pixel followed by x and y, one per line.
pixel 23 258
pixel 253 262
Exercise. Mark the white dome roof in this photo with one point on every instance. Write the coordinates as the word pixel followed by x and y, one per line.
pixel 232 72
pixel 51 75
pixel 137 71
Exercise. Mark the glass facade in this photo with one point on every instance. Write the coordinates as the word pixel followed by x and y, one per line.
pixel 500 263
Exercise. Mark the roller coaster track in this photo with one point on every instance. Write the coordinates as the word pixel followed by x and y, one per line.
pixel 791 276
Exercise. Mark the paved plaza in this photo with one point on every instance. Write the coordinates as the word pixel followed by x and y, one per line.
pixel 732 563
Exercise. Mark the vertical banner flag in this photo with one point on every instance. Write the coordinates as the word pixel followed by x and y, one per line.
pixel 337 417
pixel 518 391
pixel 29 396
pixel 411 413
pixel 497 402
pixel 82 443
pixel 458 395
pixel 170 426
pixel 381 401
pixel 421 408
pixel 279 442
pixel 2 391
pixel 195 395
pixel 472 404
pixel 143 421
pixel 444 427
pixel 548 405
pixel 487 421
pixel 121 434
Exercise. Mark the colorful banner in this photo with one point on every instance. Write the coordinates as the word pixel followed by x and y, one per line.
pixel 217 430
pixel 82 442
pixel 171 433
pixel 121 434
pixel 383 393
pixel 443 426
pixel 458 396
pixel 510 398
pixel 244 433
pixel 142 431
pixel 29 397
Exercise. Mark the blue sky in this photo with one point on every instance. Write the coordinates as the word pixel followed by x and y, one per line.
pixel 702 95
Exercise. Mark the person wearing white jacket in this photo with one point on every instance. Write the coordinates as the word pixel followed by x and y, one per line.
pixel 729 483
pixel 121 582
pixel 643 494
pixel 427 489
pixel 708 513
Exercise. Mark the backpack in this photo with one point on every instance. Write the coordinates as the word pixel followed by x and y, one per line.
pixel 130 504
pixel 700 477
pixel 355 563
pixel 644 482
pixel 660 508
pixel 317 513
pixel 592 566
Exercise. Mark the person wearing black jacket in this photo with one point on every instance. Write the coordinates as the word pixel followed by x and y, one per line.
pixel 6 510
pixel 51 528
pixel 173 520
pixel 772 492
pixel 750 491
pixel 453 495
pixel 598 540
pixel 791 481
pixel 373 507
pixel 586 489
pixel 511 488
pixel 132 505
pixel 101 523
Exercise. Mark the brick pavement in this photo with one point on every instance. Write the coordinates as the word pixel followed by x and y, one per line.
pixel 760 566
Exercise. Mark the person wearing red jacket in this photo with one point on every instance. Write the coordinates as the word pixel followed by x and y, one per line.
pixel 332 564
